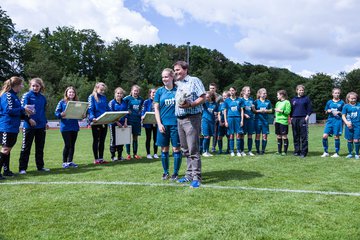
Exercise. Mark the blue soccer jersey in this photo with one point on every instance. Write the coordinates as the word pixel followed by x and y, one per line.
pixel 352 113
pixel 262 118
pixel 134 107
pixel 248 104
pixel 233 107
pixel 66 125
pixel 210 109
pixel 334 106
pixel 222 107
pixel 166 100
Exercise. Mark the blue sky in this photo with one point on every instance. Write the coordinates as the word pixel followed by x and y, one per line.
pixel 305 36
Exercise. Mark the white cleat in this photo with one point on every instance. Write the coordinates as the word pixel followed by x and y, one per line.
pixel 238 154
pixel 149 156
pixel 335 155
pixel 325 154
pixel 251 154
pixel 232 154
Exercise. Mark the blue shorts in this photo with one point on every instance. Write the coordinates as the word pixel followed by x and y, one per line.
pixel 171 134
pixel 333 127
pixel 135 128
pixel 207 127
pixel 249 126
pixel 222 131
pixel 262 129
pixel 234 126
pixel 353 133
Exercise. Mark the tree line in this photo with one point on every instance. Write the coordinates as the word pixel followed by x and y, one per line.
pixel 69 56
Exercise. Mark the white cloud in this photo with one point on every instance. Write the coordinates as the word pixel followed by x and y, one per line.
pixel 306 73
pixel 109 18
pixel 355 65
pixel 285 29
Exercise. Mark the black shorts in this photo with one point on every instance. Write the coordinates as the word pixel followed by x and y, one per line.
pixel 281 129
pixel 8 139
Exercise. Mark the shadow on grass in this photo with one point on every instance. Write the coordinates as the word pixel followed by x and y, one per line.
pixel 228 175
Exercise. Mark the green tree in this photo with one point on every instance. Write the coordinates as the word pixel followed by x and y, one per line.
pixel 7 31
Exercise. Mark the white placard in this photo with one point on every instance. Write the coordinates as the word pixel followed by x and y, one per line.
pixel 75 110
pixel 110 117
pixel 149 118
pixel 122 135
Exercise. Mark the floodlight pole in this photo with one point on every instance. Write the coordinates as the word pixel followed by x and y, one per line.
pixel 188 53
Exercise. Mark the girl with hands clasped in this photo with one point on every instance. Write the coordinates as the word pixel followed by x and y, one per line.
pixel 334 123
pixel 11 113
pixel 69 128
pixel 97 106
pixel 351 118
pixel 35 127
pixel 117 104
pixel 262 107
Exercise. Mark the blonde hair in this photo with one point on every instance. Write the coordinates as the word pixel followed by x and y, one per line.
pixel 260 91
pixel 66 98
pixel 10 83
pixel 243 90
pixel 170 71
pixel 119 89
pixel 300 86
pixel 349 94
pixel 38 81
pixel 96 87
pixel 133 87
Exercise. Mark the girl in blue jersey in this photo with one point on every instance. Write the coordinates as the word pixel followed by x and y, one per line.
pixel 334 123
pixel 69 128
pixel 98 105
pixel 249 120
pixel 150 129
pixel 135 105
pixel 35 128
pixel 351 118
pixel 210 109
pixel 234 116
pixel 164 104
pixel 11 113
pixel 117 104
pixel 222 131
pixel 262 107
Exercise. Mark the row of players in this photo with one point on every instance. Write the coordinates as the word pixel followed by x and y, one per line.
pixel 236 117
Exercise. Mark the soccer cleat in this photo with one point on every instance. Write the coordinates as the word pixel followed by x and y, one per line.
pixel 1 177
pixel 137 157
pixel 128 157
pixel 44 170
pixel 114 159
pixel 238 154
pixel 102 161
pixel 121 158
pixel 165 176
pixel 349 156
pixel 283 154
pixel 9 173
pixel 232 154
pixel 251 154
pixel 335 155
pixel 206 154
pixel 277 153
pixel 243 154
pixel 183 180
pixel 325 154
pixel 155 156
pixel 74 165
pixel 174 177
pixel 356 157
pixel 195 184
pixel 65 165
pixel 149 156
pixel 22 172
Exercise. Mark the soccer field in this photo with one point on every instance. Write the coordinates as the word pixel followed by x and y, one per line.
pixel 260 197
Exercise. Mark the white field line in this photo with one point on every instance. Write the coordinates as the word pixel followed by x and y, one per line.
pixel 356 194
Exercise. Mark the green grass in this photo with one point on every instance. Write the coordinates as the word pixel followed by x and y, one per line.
pixel 164 210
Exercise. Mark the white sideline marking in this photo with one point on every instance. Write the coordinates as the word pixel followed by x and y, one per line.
pixel 356 194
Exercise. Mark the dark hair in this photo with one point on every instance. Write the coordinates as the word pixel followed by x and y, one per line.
pixel 212 96
pixel 184 65
pixel 283 93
